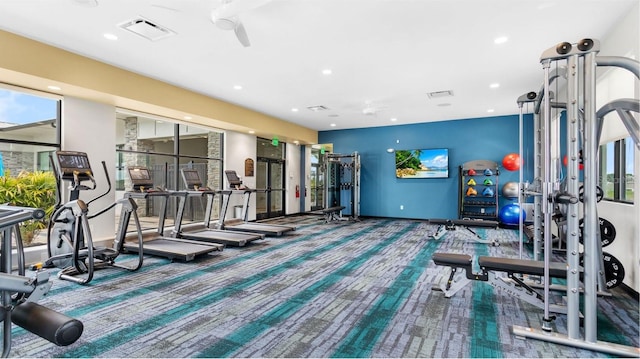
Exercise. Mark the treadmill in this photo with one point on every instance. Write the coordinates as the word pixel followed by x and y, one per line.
pixel 244 225
pixel 195 188
pixel 167 247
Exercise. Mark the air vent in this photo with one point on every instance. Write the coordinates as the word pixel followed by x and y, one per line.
pixel 440 94
pixel 147 29
pixel 317 108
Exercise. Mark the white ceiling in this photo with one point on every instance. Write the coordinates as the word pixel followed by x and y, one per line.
pixel 385 53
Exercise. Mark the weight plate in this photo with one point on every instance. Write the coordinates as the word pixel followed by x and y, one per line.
pixel 613 270
pixel 607 231
pixel 599 194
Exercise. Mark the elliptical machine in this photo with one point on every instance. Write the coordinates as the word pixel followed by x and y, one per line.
pixel 69 241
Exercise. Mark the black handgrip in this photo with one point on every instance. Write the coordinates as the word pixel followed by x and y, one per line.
pixel 47 323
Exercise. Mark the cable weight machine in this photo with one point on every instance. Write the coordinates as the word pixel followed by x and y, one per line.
pixel 343 183
pixel 584 265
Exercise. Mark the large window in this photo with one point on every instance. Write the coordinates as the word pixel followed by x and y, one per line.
pixel 166 147
pixel 29 132
pixel 617 172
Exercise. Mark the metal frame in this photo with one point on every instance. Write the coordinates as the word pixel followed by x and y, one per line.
pixel 333 182
pixel 581 63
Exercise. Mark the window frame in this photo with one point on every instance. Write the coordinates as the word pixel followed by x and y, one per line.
pixel 619 170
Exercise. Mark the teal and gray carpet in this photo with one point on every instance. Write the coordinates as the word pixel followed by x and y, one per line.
pixel 345 289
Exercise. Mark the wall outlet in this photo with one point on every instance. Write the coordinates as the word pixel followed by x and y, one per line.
pixel 401 207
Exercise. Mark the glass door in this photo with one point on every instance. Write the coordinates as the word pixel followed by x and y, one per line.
pixel 270 185
pixel 317 187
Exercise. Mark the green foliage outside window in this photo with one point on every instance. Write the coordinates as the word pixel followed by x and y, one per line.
pixel 30 189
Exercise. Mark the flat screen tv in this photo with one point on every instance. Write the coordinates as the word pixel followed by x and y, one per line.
pixel 423 163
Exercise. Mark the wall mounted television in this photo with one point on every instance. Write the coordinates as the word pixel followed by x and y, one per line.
pixel 422 163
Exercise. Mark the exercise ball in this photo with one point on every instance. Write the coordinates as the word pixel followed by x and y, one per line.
pixel 511 162
pixel 510 190
pixel 510 214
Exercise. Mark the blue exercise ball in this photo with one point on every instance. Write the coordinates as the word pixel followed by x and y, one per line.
pixel 510 214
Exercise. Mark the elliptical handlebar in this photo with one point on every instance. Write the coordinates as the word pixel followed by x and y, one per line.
pixel 106 174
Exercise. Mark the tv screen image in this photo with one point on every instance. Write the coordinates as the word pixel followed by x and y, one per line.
pixel 422 163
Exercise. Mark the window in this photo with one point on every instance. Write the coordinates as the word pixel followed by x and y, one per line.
pixel 29 132
pixel 165 147
pixel 617 172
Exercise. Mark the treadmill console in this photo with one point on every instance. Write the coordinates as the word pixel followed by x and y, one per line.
pixel 192 180
pixel 234 181
pixel 73 166
pixel 140 178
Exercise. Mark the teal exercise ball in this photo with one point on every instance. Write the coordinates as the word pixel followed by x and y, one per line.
pixel 511 213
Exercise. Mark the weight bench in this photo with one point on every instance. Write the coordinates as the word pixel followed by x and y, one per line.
pixel 451 225
pixel 462 273
pixel 332 213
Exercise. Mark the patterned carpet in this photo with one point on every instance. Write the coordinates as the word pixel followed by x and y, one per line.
pixel 343 289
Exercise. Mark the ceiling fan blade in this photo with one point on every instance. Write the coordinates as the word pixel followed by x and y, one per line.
pixel 241 34
pixel 235 7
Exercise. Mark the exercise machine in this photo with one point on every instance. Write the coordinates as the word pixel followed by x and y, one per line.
pixel 69 241
pixel 583 266
pixel 343 184
pixel 332 213
pixel 243 224
pixel 158 245
pixel 512 285
pixel 19 293
pixel 446 225
pixel 195 188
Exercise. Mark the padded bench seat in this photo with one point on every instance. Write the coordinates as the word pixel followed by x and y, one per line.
pixel 452 259
pixel 522 266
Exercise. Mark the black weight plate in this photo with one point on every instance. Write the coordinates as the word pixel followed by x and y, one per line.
pixel 613 270
pixel 599 194
pixel 607 232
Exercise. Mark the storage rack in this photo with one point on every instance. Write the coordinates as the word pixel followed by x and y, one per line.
pixel 478 206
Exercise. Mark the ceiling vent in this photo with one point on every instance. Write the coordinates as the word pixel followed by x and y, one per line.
pixel 317 108
pixel 147 29
pixel 440 94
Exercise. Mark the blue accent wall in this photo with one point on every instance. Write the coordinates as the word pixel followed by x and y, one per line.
pixel 382 193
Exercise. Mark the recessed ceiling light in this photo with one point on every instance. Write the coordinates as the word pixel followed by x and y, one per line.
pixel 393 119
pixel 501 40
pixel 490 110
pixel 237 87
pixel 333 125
pixel 54 88
pixel 187 117
pixel 252 132
pixel 327 72
pixel 294 110
pixel 494 85
pixel 109 36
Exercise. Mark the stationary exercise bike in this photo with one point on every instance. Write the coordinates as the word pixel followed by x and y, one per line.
pixel 69 240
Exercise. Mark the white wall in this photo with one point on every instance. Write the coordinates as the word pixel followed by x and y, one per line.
pixel 307 178
pixel 91 127
pixel 237 148
pixel 623 40
pixel 292 166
